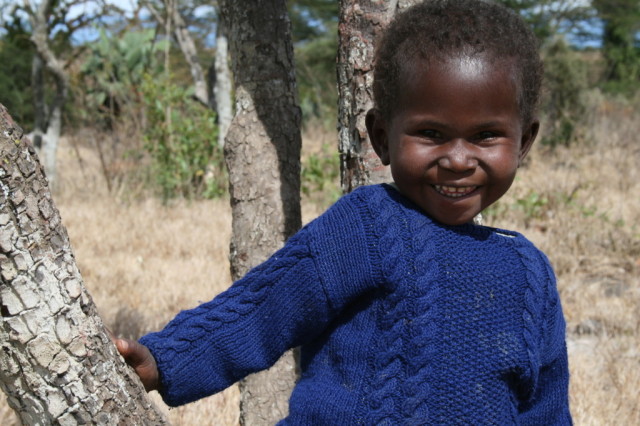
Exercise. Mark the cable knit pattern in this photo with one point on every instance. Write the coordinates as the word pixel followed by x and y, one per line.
pixel 400 320
pixel 387 358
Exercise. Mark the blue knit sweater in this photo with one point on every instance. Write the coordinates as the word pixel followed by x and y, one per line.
pixel 400 320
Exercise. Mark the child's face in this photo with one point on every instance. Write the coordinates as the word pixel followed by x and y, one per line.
pixel 455 138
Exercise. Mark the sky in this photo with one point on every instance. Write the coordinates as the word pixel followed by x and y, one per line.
pixel 126 5
pixel 89 34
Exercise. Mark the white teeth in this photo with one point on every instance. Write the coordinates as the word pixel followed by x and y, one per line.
pixel 454 191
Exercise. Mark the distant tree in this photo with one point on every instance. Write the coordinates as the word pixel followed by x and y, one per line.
pixel 262 152
pixel 52 29
pixel 620 42
pixel 222 83
pixel 565 81
pixel 171 17
pixel 212 88
pixel 315 38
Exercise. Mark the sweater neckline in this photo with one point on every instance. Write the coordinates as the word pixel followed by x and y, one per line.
pixel 502 236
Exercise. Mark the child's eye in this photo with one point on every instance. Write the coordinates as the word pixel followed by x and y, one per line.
pixel 486 135
pixel 431 134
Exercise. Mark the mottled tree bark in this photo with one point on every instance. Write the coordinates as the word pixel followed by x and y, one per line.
pixel 262 152
pixel 361 23
pixel 57 364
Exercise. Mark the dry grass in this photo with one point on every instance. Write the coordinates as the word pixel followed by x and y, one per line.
pixel 143 262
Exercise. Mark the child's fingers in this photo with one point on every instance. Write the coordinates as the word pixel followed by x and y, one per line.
pixel 140 358
pixel 123 346
pixel 133 352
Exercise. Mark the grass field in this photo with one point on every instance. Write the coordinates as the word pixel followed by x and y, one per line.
pixel 143 261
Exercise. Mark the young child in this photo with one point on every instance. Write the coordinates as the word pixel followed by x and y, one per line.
pixel 405 311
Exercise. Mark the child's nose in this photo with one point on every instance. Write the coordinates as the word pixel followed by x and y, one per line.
pixel 458 156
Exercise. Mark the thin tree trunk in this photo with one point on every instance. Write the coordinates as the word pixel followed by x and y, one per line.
pixel 57 364
pixel 223 83
pixel 40 38
pixel 186 44
pixel 262 152
pixel 361 23
pixel 51 138
pixel 39 109
pixel 190 53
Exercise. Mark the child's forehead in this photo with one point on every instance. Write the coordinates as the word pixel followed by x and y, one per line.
pixel 461 66
pixel 472 80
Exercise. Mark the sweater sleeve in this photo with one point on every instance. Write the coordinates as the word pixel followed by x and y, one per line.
pixel 283 303
pixel 549 404
pixel 276 306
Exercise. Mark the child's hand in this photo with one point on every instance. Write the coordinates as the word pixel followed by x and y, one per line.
pixel 140 358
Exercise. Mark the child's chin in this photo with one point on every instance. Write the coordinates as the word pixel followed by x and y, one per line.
pixel 461 218
pixel 455 222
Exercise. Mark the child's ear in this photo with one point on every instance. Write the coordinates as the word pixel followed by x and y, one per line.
pixel 377 129
pixel 528 137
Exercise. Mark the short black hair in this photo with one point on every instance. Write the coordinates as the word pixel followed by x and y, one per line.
pixel 440 29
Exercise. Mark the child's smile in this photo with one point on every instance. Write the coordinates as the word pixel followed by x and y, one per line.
pixel 454 191
pixel 455 137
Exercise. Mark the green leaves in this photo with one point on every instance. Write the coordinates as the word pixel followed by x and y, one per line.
pixel 181 138
pixel 566 82
pixel 620 43
pixel 116 66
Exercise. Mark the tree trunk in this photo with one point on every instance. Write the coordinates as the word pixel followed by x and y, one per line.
pixel 51 137
pixel 361 23
pixel 223 85
pixel 190 53
pixel 57 364
pixel 262 152
pixel 39 108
